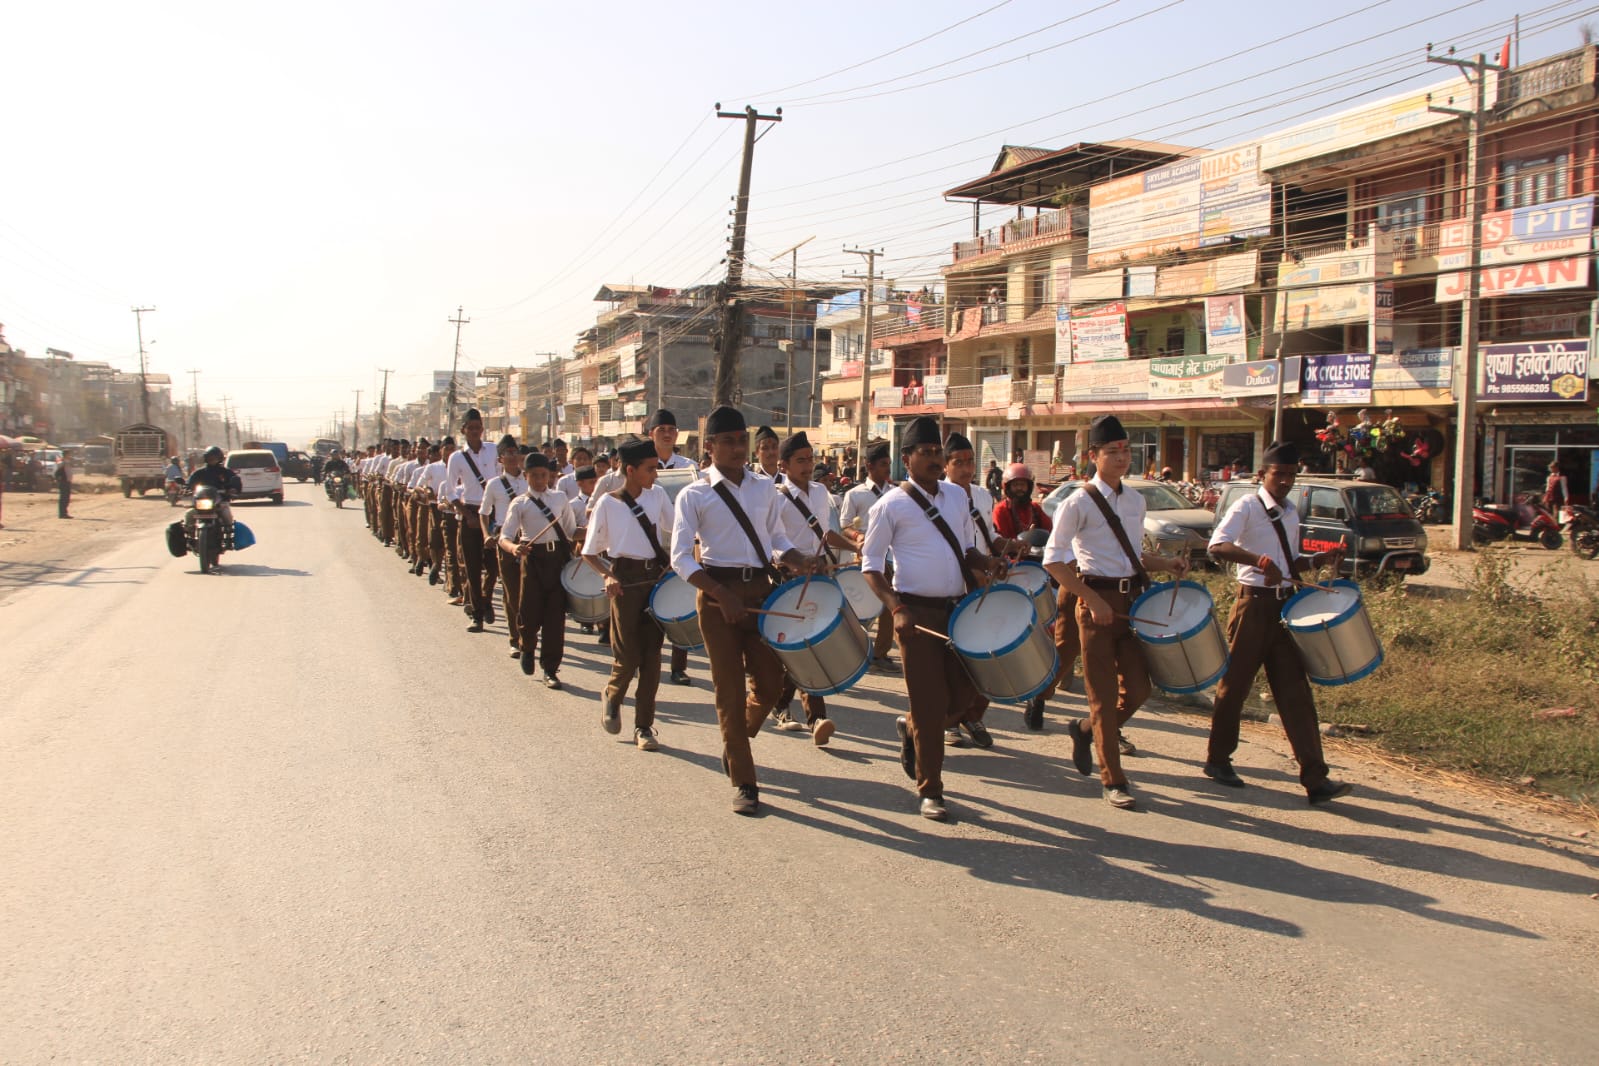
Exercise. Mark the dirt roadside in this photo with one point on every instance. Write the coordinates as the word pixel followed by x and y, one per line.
pixel 37 547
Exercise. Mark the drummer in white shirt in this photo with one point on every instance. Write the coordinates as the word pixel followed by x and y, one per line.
pixel 1248 536
pixel 806 511
pixel 470 468
pixel 930 577
pixel 567 483
pixel 856 519
pixel 540 530
pixel 618 547
pixel 661 428
pixel 497 497
pixel 1108 578
pixel 733 575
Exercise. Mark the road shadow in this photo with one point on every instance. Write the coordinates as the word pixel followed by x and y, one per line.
pixel 248 570
pixel 25 575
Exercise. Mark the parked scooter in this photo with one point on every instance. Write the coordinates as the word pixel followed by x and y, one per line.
pixel 1583 529
pixel 1525 519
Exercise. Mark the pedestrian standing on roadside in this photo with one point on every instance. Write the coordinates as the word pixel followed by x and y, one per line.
pixel 63 476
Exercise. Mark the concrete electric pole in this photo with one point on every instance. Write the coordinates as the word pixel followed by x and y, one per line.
pixel 355 426
pixel 144 384
pixel 449 403
pixel 866 352
pixel 383 399
pixel 732 325
pixel 793 300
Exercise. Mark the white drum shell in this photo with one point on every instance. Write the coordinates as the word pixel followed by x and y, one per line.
pixel 675 610
pixel 1029 574
pixel 1333 633
pixel 586 601
pixel 862 600
pixel 1184 645
pixel 1011 657
pixel 829 651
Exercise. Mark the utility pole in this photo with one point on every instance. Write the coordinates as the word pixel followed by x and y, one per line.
pixel 793 299
pixel 144 384
pixel 449 403
pixel 355 430
pixel 194 398
pixel 866 352
pixel 383 398
pixel 1465 375
pixel 227 425
pixel 732 328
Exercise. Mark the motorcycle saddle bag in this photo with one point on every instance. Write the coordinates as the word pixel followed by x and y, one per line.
pixel 175 542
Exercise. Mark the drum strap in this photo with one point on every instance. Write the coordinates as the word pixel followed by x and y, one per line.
pixel 937 518
pixel 810 520
pixel 1275 516
pixel 1114 520
pixel 560 534
pixel 743 520
pixel 467 455
pixel 982 527
pixel 644 522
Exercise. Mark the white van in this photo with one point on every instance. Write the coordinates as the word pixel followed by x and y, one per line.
pixel 260 473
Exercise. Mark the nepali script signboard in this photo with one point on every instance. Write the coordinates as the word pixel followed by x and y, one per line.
pixel 1336 379
pixel 1529 249
pixel 1099 333
pixel 1186 377
pixel 1540 372
pixel 1192 203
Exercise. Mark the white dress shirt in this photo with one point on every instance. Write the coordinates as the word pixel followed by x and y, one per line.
pixel 488 464
pixel 524 519
pixel 701 513
pixel 982 505
pixel 613 529
pixel 610 481
pixel 400 472
pixel 568 485
pixel 1247 524
pixel 497 497
pixel 580 508
pixel 820 502
pixel 858 501
pixel 678 462
pixel 419 477
pixel 923 562
pixel 1080 526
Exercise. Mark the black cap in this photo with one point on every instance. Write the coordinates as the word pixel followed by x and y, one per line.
pixel 955 442
pixel 635 452
pixel 472 415
pixel 797 442
pixel 723 420
pixel 507 444
pixel 585 473
pixel 526 449
pixel 765 432
pixel 1281 453
pixel 559 443
pixel 663 417
pixel 877 452
pixel 538 461
pixel 448 440
pixel 1106 429
pixel 919 431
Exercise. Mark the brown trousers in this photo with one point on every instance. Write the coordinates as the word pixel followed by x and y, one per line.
pixel 543 606
pixel 447 547
pixel 738 653
pixel 1068 643
pixel 1116 675
pixel 469 535
pixel 941 692
pixel 386 511
pixel 1256 637
pixel 511 591
pixel 815 706
pixel 421 542
pixel 636 640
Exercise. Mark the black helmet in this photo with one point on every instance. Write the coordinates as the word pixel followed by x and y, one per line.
pixel 213 452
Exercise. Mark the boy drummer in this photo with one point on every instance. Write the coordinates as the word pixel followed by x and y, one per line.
pixel 539 529
pixel 1260 534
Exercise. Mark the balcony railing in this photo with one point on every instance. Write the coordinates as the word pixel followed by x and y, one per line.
pixel 1553 75
pixel 1058 223
pixel 903 318
pixel 964 396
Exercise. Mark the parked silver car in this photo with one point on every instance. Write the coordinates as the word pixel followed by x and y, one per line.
pixel 1170 518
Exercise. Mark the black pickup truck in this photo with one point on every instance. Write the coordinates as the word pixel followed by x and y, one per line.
pixel 1373 522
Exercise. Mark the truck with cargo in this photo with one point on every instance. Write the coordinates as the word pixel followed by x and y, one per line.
pixel 142 451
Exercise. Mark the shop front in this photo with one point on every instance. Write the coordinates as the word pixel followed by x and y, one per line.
pixel 1538 407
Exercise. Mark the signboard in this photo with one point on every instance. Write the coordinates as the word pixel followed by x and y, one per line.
pixel 1418 368
pixel 463 381
pixel 1365 124
pixel 1259 378
pixel 1191 203
pixel 608 391
pixel 1063 334
pixel 1528 249
pixel 888 396
pixel 1127 379
pixel 1099 333
pixel 1225 273
pixel 1539 372
pixel 1332 289
pixel 1036 461
pixel 935 388
pixel 1044 390
pixel 626 366
pixel 1330 380
pixel 1186 376
pixel 996 391
pixel 1225 332
pixel 636 408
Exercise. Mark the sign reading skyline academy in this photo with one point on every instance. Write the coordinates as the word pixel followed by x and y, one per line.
pixel 1336 379
pixel 1529 249
pixel 1192 203
pixel 1539 372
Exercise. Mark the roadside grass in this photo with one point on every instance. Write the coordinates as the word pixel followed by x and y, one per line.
pixel 1499 680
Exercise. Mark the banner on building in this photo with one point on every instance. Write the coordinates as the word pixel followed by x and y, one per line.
pixel 935 388
pixel 1539 372
pixel 1333 380
pixel 1225 273
pixel 1192 203
pixel 1259 378
pixel 888 396
pixel 1225 332
pixel 627 361
pixel 1186 376
pixel 464 381
pixel 1366 124
pixel 1528 249
pixel 1099 333
pixel 1417 368
pixel 1335 288
pixel 1063 335
pixel 996 391
pixel 1124 380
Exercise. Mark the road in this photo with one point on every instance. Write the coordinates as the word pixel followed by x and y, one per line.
pixel 295 812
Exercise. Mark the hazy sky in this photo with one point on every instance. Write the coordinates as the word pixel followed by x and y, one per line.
pixel 306 191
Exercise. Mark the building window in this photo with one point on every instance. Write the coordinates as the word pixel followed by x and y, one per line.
pixel 1403 217
pixel 779 372
pixel 1525 182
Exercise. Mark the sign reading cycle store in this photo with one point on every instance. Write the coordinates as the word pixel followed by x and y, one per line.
pixel 1337 379
pixel 1540 372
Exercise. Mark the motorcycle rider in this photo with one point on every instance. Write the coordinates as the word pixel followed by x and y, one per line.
pixel 174 470
pixel 335 466
pixel 219 477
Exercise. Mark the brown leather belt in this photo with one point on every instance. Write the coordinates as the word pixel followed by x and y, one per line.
pixel 1253 592
pixel 737 573
pixel 1130 585
pixel 941 603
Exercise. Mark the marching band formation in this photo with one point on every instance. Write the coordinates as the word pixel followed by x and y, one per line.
pixel 755 563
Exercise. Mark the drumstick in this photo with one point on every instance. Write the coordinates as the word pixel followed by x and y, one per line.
pixel 775 614
pixel 981 596
pixel 1176 583
pixel 1310 585
pixel 810 574
pixel 1145 621
pixel 543 531
pixel 933 633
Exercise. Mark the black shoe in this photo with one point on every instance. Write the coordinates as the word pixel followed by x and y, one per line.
pixel 586 627
pixel 746 799
pixel 1223 774
pixel 553 683
pixel 1033 716
pixel 1082 747
pixel 488 614
pixel 933 809
pixel 979 733
pixel 475 627
pixel 1328 791
pixel 907 747
pixel 527 664
pixel 605 639
pixel 516 653
pixel 681 679
pixel 433 576
pixel 610 715
pixel 1124 745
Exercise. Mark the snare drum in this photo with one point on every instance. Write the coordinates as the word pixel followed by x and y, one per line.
pixel 1010 657
pixel 827 651
pixel 862 600
pixel 586 601
pixel 1183 643
pixel 1029 574
pixel 672 605
pixel 1333 633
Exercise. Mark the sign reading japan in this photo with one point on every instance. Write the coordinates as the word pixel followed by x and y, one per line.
pixel 1192 203
pixel 1542 371
pixel 1528 249
pixel 1336 379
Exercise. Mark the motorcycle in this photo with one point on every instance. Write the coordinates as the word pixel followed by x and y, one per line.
pixel 177 488
pixel 1583 529
pixel 1426 505
pixel 207 536
pixel 1525 519
pixel 337 488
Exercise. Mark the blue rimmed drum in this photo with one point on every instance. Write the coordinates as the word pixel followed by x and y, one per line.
pixel 586 601
pixel 1333 633
pixel 1029 574
pixel 1182 641
pixel 860 595
pixel 1010 657
pixel 676 611
pixel 825 650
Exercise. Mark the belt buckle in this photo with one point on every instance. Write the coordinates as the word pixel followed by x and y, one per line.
pixel 549 545
pixel 746 573
pixel 1125 585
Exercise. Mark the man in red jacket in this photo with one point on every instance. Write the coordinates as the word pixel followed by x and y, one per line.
pixel 1017 513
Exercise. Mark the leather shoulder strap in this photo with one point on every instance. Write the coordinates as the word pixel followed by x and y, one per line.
pixel 1275 516
pixel 643 521
pixel 744 523
pixel 481 481
pixel 810 520
pixel 1115 522
pixel 937 518
pixel 560 534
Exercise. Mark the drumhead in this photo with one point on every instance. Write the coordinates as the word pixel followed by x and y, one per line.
pixel 862 600
pixel 672 599
pixel 823 611
pixel 581 579
pixel 1315 609
pixel 1028 574
pixel 988 627
pixel 1159 622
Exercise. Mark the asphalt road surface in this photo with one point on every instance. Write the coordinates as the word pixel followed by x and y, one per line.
pixel 295 812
